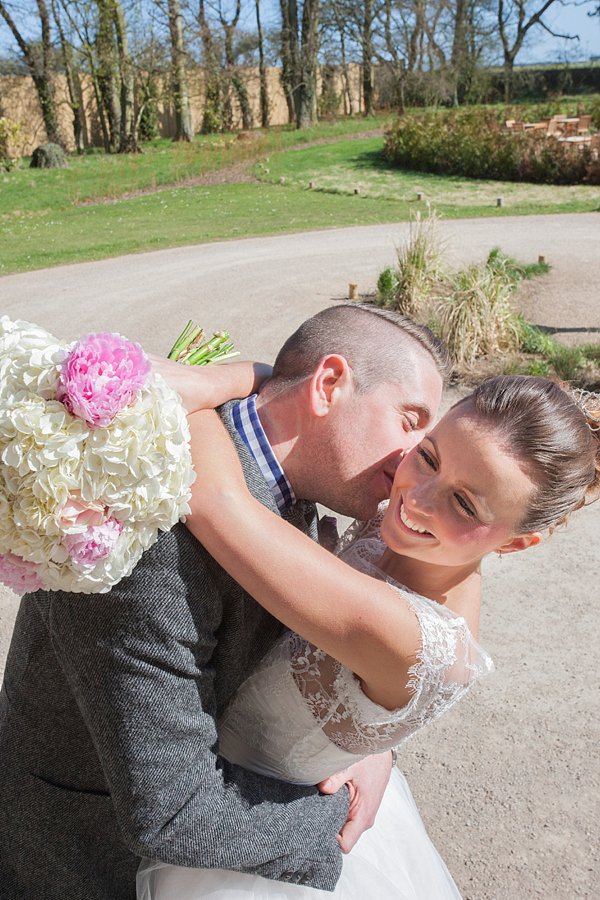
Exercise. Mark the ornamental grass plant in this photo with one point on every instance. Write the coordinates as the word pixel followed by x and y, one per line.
pixel 471 309
pixel 477 317
pixel 421 270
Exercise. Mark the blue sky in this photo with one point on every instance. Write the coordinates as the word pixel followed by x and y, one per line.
pixel 568 20
pixel 541 47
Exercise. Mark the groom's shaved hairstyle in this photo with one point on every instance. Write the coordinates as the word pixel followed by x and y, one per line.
pixel 377 343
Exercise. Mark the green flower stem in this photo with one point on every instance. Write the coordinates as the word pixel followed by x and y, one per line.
pixel 183 342
pixel 189 350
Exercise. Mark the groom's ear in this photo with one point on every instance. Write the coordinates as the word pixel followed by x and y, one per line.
pixel 331 383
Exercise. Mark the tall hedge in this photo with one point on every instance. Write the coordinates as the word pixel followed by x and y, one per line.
pixel 475 143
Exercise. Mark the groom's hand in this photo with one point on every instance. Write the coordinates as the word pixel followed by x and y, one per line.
pixel 367 781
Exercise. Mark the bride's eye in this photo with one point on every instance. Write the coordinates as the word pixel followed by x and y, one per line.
pixel 465 506
pixel 427 457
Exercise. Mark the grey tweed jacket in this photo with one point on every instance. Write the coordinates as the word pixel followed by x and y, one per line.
pixel 108 740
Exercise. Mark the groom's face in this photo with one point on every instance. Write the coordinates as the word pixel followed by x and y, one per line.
pixel 366 438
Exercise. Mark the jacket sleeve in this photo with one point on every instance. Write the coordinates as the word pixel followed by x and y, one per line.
pixel 139 660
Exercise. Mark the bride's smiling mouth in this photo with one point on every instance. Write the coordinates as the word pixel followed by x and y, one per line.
pixel 409 524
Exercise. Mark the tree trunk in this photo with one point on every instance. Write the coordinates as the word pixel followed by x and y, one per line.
pixel 107 72
pixel 233 77
pixel 262 69
pixel 306 113
pixel 290 55
pixel 127 137
pixel 348 96
pixel 508 66
pixel 73 84
pixel 460 50
pixel 100 106
pixel 367 56
pixel 40 67
pixel 184 126
pixel 212 118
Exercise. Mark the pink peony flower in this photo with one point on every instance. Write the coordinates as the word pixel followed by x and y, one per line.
pixel 96 542
pixel 76 511
pixel 20 575
pixel 100 376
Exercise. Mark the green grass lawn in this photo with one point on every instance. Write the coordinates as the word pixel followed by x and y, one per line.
pixel 44 220
pixel 345 166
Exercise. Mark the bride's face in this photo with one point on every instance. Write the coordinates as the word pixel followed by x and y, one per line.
pixel 457 496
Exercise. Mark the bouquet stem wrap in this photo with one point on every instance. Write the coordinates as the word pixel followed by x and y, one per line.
pixel 94 459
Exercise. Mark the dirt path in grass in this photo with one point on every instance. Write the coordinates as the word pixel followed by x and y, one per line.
pixel 507 781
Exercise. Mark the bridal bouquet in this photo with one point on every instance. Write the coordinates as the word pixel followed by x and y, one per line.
pixel 94 459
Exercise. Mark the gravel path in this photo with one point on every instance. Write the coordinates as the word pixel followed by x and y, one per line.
pixel 507 782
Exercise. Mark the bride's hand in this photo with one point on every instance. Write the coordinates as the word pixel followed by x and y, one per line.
pixel 367 781
pixel 204 387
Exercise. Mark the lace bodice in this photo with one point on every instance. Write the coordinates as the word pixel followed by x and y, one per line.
pixel 302 716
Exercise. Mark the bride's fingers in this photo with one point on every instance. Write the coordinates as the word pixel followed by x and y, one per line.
pixel 332 784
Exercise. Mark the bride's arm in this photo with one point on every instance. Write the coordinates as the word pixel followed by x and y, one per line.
pixel 358 620
pixel 204 387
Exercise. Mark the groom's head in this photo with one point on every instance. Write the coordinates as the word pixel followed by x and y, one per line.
pixel 353 389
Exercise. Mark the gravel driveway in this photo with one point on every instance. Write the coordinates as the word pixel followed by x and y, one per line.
pixel 508 781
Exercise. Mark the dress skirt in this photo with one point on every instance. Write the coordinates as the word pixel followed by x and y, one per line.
pixel 393 860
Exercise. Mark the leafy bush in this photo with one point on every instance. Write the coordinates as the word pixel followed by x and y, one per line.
pixel 474 143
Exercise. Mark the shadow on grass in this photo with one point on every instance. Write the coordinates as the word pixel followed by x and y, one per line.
pixel 372 159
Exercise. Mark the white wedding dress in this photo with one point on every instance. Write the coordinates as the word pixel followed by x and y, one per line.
pixel 301 716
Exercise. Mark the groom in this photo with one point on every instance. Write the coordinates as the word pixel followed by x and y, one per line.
pixel 108 740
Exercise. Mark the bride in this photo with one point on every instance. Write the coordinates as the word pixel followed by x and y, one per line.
pixel 389 627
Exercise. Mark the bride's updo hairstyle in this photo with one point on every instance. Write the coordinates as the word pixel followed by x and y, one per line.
pixel 554 432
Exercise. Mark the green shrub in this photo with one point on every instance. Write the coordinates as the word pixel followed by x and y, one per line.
pixel 475 143
pixel 48 156
pixel 387 285
pixel 533 339
pixel 567 362
pixel 538 367
pixel 591 352
pixel 512 270
pixel 328 103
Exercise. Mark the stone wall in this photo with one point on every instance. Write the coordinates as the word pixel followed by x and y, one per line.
pixel 19 103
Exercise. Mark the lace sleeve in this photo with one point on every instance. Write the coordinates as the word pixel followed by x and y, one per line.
pixel 449 662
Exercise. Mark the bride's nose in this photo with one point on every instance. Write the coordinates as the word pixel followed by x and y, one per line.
pixel 421 499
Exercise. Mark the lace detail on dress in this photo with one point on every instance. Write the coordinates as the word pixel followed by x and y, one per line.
pixel 301 704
